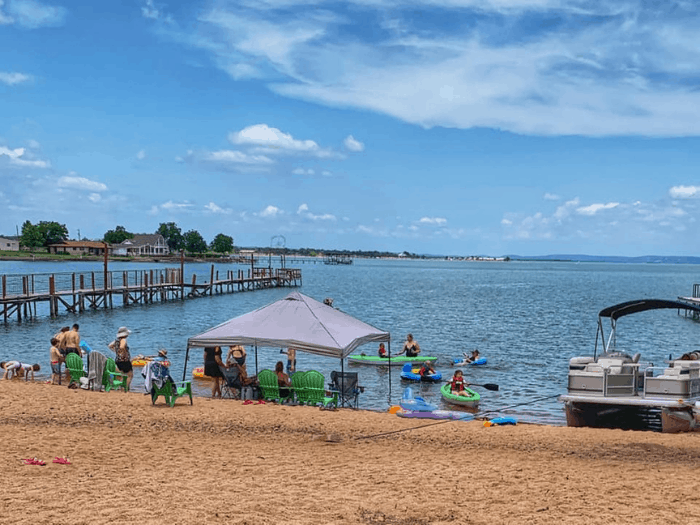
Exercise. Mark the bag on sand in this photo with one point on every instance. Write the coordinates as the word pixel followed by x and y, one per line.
pixel 249 392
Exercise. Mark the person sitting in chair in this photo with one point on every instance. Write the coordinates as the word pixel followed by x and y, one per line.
pixel 283 380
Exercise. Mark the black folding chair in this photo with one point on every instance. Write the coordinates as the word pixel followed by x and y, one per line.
pixel 345 384
pixel 231 382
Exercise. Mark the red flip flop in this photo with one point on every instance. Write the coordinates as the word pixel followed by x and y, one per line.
pixel 247 402
pixel 61 461
pixel 260 402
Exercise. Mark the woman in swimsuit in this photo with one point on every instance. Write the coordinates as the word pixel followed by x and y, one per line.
pixel 411 347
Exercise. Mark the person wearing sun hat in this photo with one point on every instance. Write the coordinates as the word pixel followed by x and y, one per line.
pixel 123 358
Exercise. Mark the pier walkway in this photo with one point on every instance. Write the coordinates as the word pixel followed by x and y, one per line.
pixel 78 291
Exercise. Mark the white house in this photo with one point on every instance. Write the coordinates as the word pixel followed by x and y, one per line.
pixel 10 245
pixel 142 244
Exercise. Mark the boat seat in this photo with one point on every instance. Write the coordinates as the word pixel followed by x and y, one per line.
pixel 580 363
pixel 613 364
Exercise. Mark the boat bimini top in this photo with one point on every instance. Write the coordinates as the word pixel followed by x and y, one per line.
pixel 633 307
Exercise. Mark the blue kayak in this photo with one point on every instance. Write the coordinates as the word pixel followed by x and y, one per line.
pixel 464 362
pixel 410 373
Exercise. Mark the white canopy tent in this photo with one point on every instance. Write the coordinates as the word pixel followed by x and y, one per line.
pixel 296 321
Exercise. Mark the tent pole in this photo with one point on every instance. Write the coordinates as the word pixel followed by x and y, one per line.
pixel 256 359
pixel 389 352
pixel 184 369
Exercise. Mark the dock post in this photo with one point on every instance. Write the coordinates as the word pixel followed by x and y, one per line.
pixel 4 294
pixel 211 281
pixel 81 297
pixel 52 298
pixel 182 275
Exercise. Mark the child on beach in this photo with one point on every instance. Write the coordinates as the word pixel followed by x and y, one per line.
pixel 15 368
pixel 291 359
pixel 56 360
pixel 458 384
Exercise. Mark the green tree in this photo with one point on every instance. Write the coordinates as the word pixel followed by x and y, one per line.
pixel 31 237
pixel 172 235
pixel 222 244
pixel 52 232
pixel 43 234
pixel 194 242
pixel 117 235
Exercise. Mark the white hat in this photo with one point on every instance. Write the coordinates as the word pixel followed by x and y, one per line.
pixel 123 332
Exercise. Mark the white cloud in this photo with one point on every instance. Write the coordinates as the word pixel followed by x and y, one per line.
pixel 13 78
pixel 141 154
pixel 621 68
pixel 302 208
pixel 352 144
pixel 551 197
pixel 17 158
pixel 270 212
pixel 302 171
pixel 236 157
pixel 439 221
pixel 592 209
pixel 95 197
pixel 31 14
pixel 81 183
pixel 213 208
pixel 684 192
pixel 272 140
pixel 176 206
pixel 565 209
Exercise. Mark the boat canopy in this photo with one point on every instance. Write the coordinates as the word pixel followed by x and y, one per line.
pixel 642 305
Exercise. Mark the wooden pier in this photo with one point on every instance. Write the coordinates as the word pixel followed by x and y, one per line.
pixel 694 300
pixel 79 291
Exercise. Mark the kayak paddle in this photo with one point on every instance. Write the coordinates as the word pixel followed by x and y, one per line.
pixel 487 386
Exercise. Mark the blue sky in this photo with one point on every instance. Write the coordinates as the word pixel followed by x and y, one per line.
pixel 458 127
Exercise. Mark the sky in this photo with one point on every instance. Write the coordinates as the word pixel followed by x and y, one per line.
pixel 450 127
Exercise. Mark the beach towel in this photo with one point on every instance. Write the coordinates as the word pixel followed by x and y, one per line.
pixel 154 373
pixel 96 369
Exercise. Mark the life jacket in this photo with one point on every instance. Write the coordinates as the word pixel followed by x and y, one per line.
pixel 457 383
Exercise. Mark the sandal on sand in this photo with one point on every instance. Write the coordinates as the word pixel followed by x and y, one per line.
pixel 34 461
pixel 61 461
pixel 260 402
pixel 247 402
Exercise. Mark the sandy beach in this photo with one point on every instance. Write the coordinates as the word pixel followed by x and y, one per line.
pixel 220 461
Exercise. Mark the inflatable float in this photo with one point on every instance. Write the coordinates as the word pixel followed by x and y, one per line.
pixel 143 361
pixel 410 373
pixel 409 402
pixel 501 421
pixel 398 360
pixel 464 362
pixel 199 373
pixel 471 400
pixel 436 414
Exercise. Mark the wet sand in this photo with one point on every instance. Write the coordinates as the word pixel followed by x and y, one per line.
pixel 220 461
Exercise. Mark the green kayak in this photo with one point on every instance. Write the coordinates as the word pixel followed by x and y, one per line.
pixel 398 360
pixel 471 400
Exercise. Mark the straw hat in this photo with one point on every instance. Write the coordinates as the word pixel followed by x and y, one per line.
pixel 163 353
pixel 123 332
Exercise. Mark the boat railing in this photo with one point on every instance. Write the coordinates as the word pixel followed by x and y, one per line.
pixel 621 380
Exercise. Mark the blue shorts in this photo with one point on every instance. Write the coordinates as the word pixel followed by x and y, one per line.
pixel 290 363
pixel 56 368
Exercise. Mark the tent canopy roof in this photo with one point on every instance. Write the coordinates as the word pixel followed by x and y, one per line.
pixel 296 321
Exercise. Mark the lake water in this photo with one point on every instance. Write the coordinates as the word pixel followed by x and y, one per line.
pixel 527 318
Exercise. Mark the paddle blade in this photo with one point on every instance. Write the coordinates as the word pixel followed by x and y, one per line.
pixel 490 386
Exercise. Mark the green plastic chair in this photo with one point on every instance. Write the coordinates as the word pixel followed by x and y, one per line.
pixel 314 386
pixel 171 391
pixel 74 364
pixel 299 387
pixel 270 388
pixel 113 379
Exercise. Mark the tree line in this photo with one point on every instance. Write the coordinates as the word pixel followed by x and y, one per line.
pixel 46 233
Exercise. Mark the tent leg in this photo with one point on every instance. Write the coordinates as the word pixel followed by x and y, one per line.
pixel 256 359
pixel 389 352
pixel 184 369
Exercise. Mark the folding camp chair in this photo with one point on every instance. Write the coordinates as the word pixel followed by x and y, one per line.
pixel 345 384
pixel 231 382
